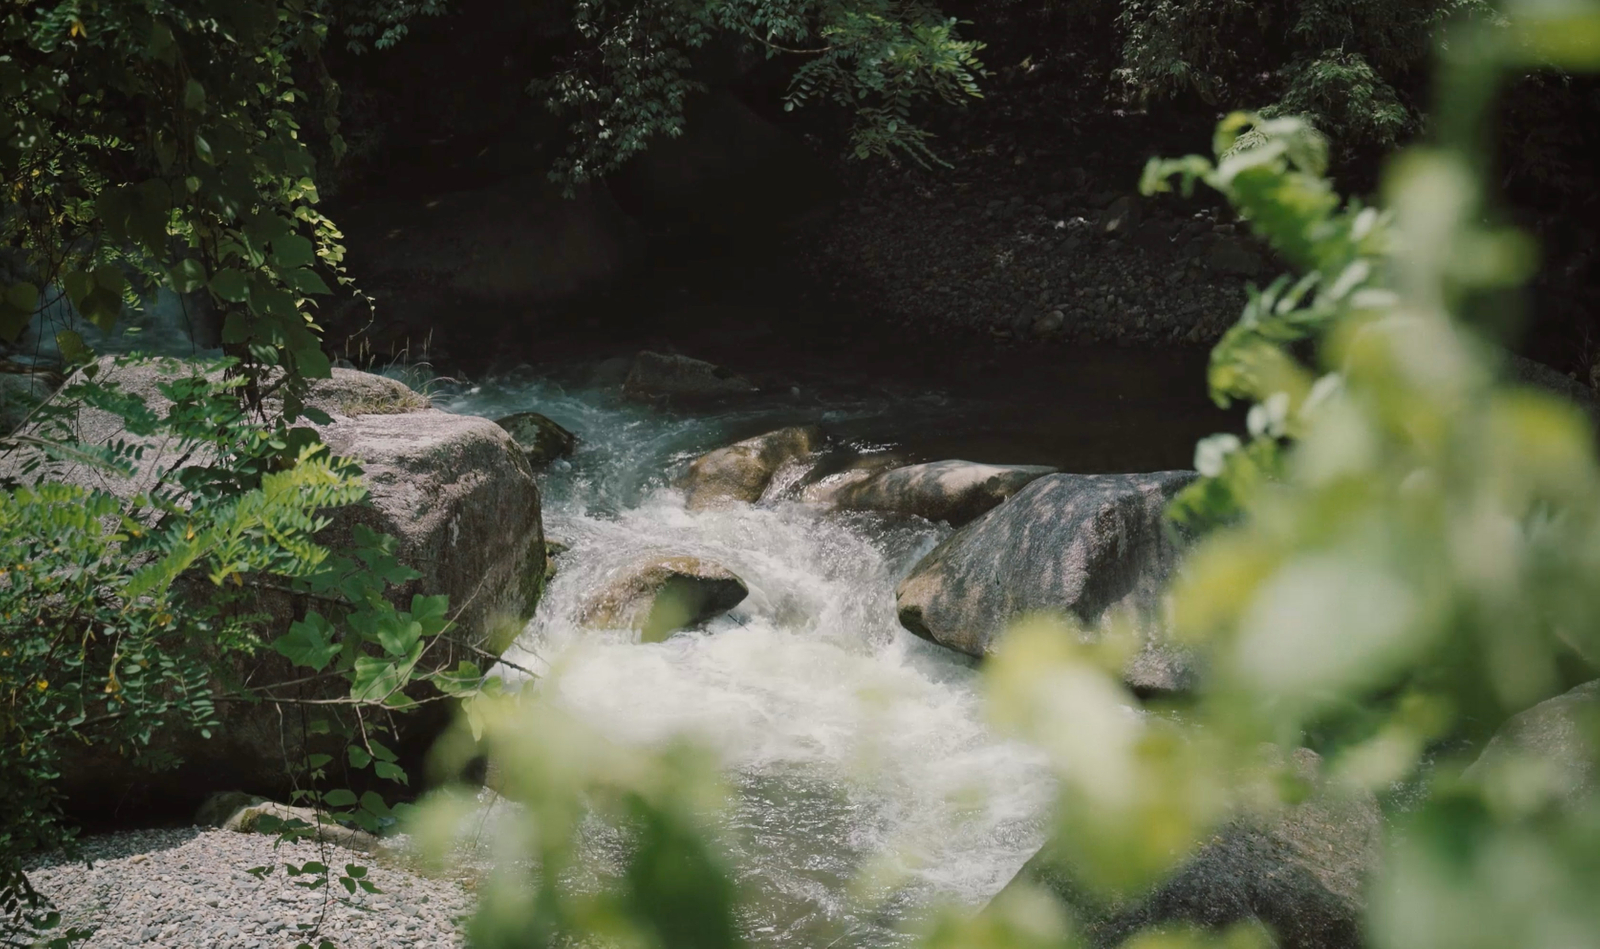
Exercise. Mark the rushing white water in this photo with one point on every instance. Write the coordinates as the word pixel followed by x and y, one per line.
pixel 847 739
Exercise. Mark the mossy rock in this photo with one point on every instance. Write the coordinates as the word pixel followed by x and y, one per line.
pixel 540 439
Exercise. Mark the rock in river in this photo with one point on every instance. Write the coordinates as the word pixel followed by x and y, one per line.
pixel 541 440
pixel 660 597
pixel 954 491
pixel 742 471
pixel 1301 872
pixel 1064 544
pixel 658 377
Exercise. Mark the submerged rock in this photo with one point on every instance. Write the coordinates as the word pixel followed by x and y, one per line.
pixel 1064 544
pixel 541 440
pixel 663 596
pixel 1301 872
pixel 671 378
pixel 742 471
pixel 954 491
pixel 1558 735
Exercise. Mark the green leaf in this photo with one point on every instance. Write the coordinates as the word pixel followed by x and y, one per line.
pixel 339 797
pixel 358 756
pixel 194 96
pixel 308 642
pixel 398 637
pixel 163 47
pixel 16 309
pixel 102 307
pixel 230 285
pixel 72 347
pixel 372 802
pixel 292 250
pixel 382 752
pixel 374 679
pixel 109 278
pixel 235 328
pixel 22 296
pixel 188 276
pixel 318 761
pixel 305 281
pixel 78 284
pixel 391 772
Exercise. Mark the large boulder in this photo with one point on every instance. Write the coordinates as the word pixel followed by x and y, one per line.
pixel 660 597
pixel 458 494
pixel 1301 872
pixel 744 470
pixel 1065 544
pixel 454 490
pixel 662 377
pixel 956 492
pixel 1559 736
pixel 541 439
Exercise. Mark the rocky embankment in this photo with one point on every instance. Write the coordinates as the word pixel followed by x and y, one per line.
pixel 1036 231
pixel 1071 265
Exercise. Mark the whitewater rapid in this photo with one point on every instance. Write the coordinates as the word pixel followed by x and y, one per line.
pixel 848 741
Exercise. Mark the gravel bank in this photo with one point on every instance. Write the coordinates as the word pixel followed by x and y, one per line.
pixel 187 887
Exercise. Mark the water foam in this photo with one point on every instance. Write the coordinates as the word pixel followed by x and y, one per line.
pixel 849 742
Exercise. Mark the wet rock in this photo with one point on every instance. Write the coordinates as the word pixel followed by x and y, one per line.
pixel 1301 872
pixel 1049 324
pixel 660 597
pixel 1229 256
pixel 672 378
pixel 1559 734
pixel 826 481
pixel 742 471
pixel 541 440
pixel 1065 544
pixel 956 492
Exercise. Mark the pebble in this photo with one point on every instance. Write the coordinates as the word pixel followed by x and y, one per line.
pixel 179 888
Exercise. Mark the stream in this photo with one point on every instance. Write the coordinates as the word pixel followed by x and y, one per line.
pixel 848 741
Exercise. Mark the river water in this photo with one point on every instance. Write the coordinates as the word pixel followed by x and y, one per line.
pixel 848 741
